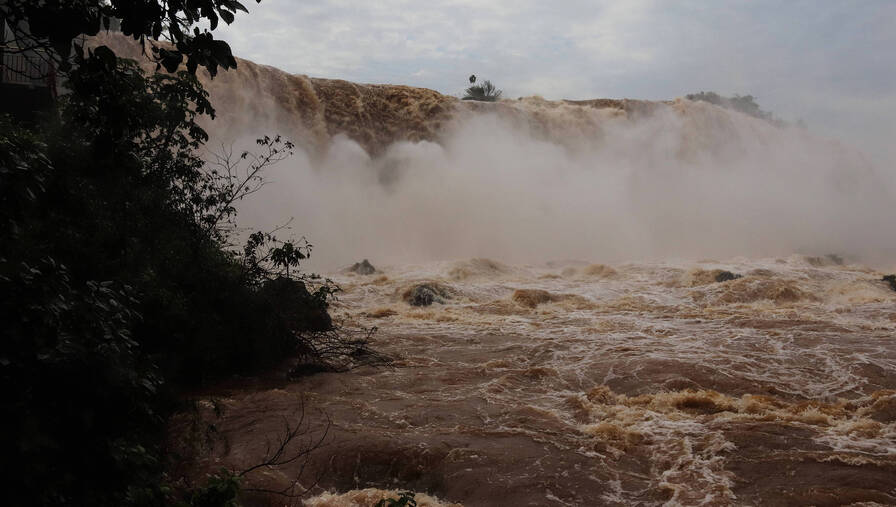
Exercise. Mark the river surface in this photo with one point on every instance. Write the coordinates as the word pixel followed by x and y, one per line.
pixel 584 384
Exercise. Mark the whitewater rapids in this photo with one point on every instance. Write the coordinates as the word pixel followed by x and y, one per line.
pixel 632 384
pixel 630 377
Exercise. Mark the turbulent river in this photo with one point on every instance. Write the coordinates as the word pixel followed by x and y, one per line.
pixel 528 382
pixel 585 384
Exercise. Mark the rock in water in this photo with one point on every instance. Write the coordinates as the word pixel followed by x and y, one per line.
pixel 891 279
pixel 363 268
pixel 724 276
pixel 698 277
pixel 422 296
pixel 425 294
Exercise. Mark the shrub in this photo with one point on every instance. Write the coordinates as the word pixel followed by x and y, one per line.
pixel 78 395
pixel 485 92
pixel 405 499
pixel 119 284
pixel 743 103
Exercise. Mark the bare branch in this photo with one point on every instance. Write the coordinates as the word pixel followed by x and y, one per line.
pixel 234 182
pixel 340 349
pixel 282 456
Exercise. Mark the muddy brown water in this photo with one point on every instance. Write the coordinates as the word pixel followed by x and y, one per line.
pixel 644 384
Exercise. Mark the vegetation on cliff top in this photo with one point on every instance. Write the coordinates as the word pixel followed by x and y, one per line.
pixel 743 103
pixel 485 92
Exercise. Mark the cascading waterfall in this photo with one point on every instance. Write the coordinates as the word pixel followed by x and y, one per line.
pixel 541 376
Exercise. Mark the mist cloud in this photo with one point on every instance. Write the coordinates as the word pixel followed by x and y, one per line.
pixel 693 184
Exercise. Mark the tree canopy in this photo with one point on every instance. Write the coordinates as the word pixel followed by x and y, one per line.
pixel 122 283
pixel 54 25
pixel 743 103
pixel 485 92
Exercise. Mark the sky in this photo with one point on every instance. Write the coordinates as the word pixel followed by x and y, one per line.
pixel 830 63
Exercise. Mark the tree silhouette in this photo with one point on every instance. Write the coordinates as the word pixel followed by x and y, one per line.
pixel 53 26
pixel 485 92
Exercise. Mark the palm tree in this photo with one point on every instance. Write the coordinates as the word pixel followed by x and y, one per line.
pixel 485 92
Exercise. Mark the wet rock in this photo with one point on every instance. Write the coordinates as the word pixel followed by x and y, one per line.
pixel 297 308
pixel 363 268
pixel 425 294
pixel 698 277
pixel 891 279
pixel 724 276
pixel 884 407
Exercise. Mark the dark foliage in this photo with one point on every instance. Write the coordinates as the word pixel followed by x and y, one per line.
pixel 743 103
pixel 890 279
pixel 220 490
pixel 405 499
pixel 78 395
pixel 363 268
pixel 485 92
pixel 125 198
pixel 52 26
pixel 724 276
pixel 119 285
pixel 120 280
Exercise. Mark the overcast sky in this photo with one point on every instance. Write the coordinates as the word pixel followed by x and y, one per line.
pixel 831 63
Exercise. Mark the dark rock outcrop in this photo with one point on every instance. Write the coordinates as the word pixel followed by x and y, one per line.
pixel 724 276
pixel 891 279
pixel 363 268
pixel 297 308
pixel 425 294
